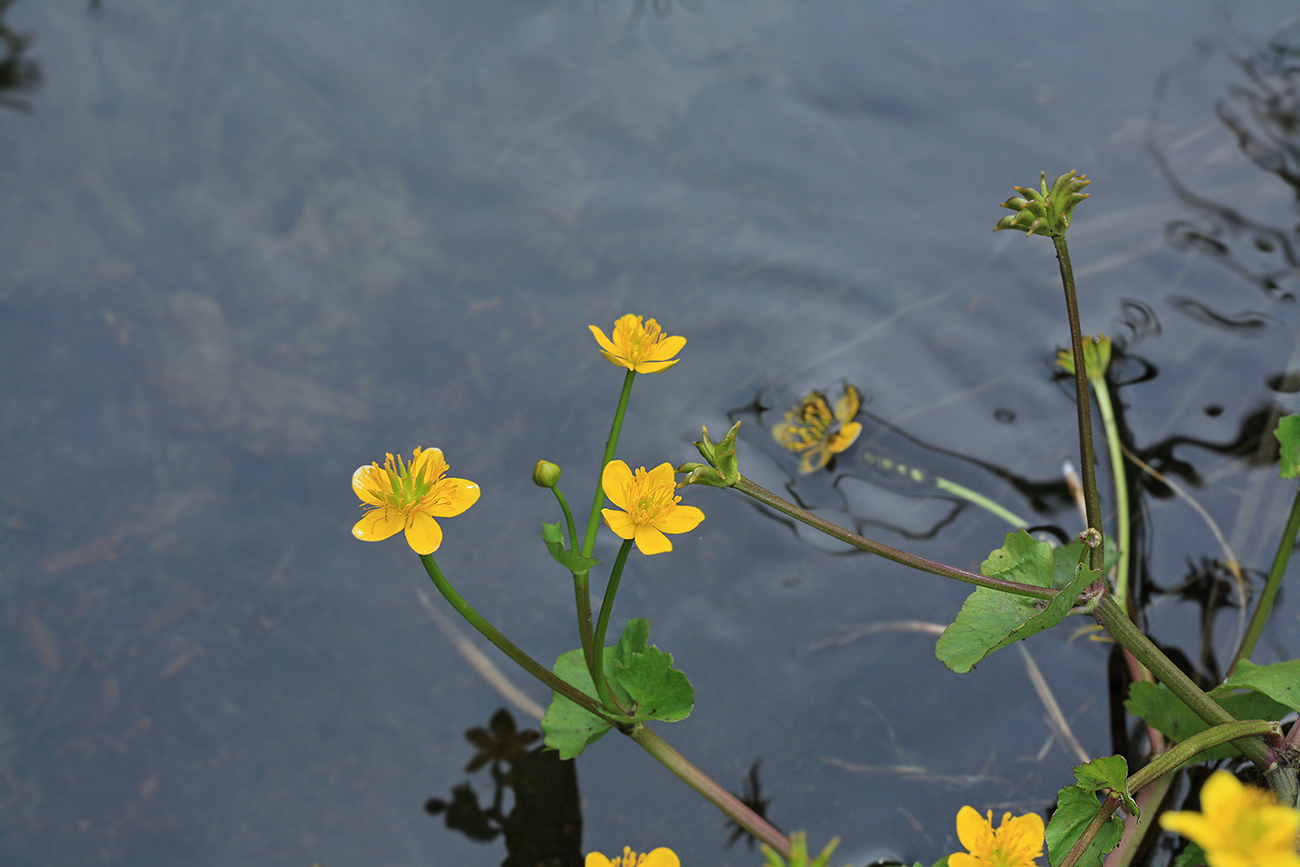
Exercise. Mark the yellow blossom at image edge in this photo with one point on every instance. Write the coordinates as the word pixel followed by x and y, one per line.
pixel 1239 826
pixel 408 496
pixel 637 346
pixel 661 857
pixel 1016 842
pixel 650 506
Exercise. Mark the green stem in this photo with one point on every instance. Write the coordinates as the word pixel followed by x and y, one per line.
pixel 593 521
pixel 1280 559
pixel 1120 476
pixel 1110 615
pixel 581 582
pixel 526 662
pixel 568 516
pixel 607 606
pixel 582 602
pixel 863 543
pixel 713 793
pixel 1092 504
pixel 1184 751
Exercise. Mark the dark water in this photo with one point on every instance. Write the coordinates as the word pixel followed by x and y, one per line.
pixel 247 247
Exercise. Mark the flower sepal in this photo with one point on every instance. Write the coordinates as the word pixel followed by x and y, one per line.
pixel 722 470
pixel 1096 357
pixel 799 853
pixel 1045 211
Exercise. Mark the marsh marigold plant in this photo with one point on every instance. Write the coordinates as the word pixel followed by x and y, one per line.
pixel 661 857
pixel 637 345
pixel 1016 842
pixel 409 496
pixel 1239 825
pixel 650 506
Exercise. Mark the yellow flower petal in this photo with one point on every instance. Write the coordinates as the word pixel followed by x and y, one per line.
pixel 365 480
pixel 453 497
pixel 814 459
pixel 681 519
pixel 654 366
pixel 609 349
pixel 614 481
pixel 667 348
pixel 661 857
pixel 428 461
pixel 620 522
pixel 846 408
pixel 844 437
pixel 377 525
pixel 650 541
pixel 423 533
pixel 973 830
pixel 595 859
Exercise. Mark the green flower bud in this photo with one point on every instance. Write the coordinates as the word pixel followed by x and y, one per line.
pixel 546 474
pixel 1044 211
pixel 721 457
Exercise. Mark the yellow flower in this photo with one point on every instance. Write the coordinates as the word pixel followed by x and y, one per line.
pixel 813 429
pixel 401 496
pixel 1239 826
pixel 650 508
pixel 661 857
pixel 1017 842
pixel 643 348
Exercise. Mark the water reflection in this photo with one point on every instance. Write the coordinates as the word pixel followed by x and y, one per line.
pixel 1263 114
pixel 19 74
pixel 543 826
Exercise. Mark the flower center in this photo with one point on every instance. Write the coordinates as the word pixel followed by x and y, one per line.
pixel 629 859
pixel 406 489
pixel 636 339
pixel 650 502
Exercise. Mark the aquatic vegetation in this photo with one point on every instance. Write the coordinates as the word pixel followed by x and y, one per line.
pixel 1026 585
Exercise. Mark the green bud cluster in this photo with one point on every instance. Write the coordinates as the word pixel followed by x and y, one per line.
pixel 721 470
pixel 1045 211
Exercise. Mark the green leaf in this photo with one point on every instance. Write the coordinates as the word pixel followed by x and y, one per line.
pixel 1288 436
pixel 660 691
pixel 571 560
pixel 1159 707
pixel 566 726
pixel 1109 773
pixel 1191 856
pixel 1067 558
pixel 990 619
pixel 1279 681
pixel 1075 809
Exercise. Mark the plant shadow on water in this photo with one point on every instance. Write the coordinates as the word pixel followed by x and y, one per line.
pixel 245 255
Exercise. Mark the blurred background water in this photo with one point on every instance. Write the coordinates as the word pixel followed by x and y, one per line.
pixel 247 247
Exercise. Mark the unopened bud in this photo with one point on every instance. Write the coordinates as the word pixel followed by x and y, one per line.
pixel 546 474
